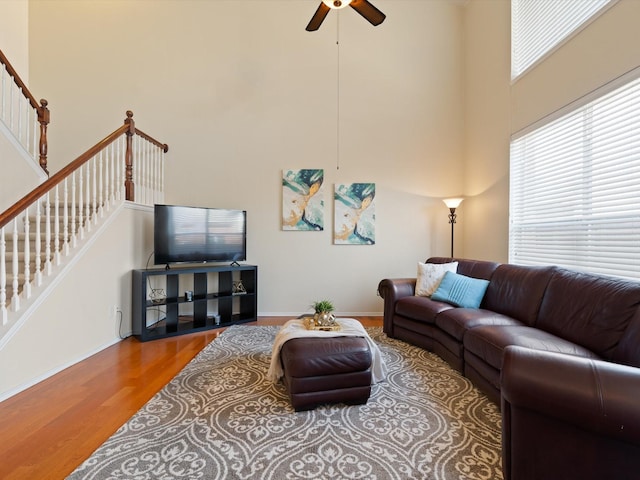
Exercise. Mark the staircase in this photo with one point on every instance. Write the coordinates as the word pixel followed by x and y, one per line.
pixel 44 230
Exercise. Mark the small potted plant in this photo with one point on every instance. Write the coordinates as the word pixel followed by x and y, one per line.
pixel 323 313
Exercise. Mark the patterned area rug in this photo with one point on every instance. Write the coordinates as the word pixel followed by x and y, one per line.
pixel 220 418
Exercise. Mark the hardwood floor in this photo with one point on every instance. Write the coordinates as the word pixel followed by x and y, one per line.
pixel 49 429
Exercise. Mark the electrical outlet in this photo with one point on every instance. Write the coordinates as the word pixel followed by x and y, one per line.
pixel 115 310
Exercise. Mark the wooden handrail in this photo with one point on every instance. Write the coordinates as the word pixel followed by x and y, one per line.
pixel 163 146
pixel 18 207
pixel 44 116
pixel 19 82
pixel 127 129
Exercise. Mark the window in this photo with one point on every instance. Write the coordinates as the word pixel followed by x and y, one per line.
pixel 538 26
pixel 575 187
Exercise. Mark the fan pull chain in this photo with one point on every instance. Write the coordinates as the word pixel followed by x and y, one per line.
pixel 338 92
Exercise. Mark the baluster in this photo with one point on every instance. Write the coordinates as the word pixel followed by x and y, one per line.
pixel 74 218
pixel 141 170
pixel 81 220
pixel 118 174
pixel 108 176
pixel 4 97
pixel 113 178
pixel 3 278
pixel 11 90
pixel 33 148
pixel 26 287
pixel 162 173
pixel 94 189
pixel 87 199
pixel 47 235
pixel 150 174
pixel 65 218
pixel 15 298
pixel 38 243
pixel 56 225
pixel 20 110
pixel 154 173
pixel 100 162
pixel 144 147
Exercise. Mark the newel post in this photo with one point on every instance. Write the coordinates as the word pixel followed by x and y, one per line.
pixel 128 158
pixel 43 119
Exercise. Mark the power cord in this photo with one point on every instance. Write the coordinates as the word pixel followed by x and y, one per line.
pixel 122 337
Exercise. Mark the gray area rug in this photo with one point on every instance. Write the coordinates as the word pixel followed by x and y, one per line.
pixel 220 418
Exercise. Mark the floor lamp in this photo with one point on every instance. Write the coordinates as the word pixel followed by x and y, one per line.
pixel 452 203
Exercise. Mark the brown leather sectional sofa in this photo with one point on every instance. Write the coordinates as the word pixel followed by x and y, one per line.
pixel 557 349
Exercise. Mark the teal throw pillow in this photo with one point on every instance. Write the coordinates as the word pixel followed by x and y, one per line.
pixel 460 290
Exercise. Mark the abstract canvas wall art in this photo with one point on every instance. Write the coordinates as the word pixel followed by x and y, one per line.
pixel 354 214
pixel 303 200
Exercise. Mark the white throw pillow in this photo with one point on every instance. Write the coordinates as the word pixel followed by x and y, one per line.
pixel 430 275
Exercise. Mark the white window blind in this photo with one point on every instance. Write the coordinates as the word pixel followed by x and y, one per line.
pixel 538 26
pixel 575 188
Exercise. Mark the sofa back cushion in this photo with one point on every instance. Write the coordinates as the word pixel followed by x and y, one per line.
pixel 517 291
pixel 470 268
pixel 590 310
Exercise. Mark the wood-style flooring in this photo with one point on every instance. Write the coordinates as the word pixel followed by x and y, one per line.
pixel 51 428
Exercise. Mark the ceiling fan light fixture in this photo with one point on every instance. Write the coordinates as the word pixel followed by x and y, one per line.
pixel 336 4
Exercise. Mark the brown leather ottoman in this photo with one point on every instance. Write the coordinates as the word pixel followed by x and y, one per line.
pixel 326 370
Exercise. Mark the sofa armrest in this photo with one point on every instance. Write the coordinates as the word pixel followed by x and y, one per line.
pixel 585 405
pixel 392 290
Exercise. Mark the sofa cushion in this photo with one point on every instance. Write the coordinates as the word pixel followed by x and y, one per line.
pixel 421 309
pixel 430 275
pixel 456 321
pixel 589 310
pixel 517 291
pixel 470 268
pixel 460 290
pixel 489 342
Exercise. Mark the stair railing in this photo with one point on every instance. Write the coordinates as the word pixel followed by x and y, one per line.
pixel 47 224
pixel 21 113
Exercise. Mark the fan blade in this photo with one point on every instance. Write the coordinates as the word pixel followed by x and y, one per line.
pixel 318 18
pixel 368 11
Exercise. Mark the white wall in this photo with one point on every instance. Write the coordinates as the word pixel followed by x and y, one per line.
pixel 603 51
pixel 79 319
pixel 14 35
pixel 487 117
pixel 240 91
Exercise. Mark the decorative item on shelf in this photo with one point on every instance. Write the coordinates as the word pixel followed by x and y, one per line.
pixel 452 203
pixel 157 296
pixel 323 314
pixel 238 288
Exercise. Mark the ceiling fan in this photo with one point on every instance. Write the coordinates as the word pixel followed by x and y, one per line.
pixel 363 7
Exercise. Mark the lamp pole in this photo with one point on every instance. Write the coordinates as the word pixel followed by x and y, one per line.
pixel 452 203
pixel 452 220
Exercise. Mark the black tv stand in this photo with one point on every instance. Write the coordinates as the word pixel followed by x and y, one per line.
pixel 195 298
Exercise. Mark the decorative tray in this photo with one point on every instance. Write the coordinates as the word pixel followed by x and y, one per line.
pixel 311 325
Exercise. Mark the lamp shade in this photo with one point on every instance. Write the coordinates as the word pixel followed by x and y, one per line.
pixel 336 4
pixel 453 202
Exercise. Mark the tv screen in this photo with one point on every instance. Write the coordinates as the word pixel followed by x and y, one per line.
pixel 197 234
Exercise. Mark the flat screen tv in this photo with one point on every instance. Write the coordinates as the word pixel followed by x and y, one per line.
pixel 196 234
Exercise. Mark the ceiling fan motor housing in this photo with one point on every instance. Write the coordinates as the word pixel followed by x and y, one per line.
pixel 336 3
